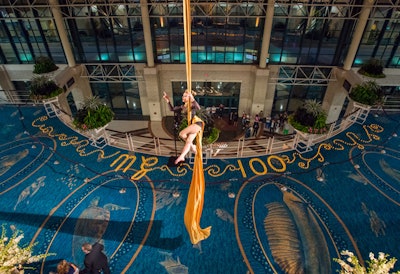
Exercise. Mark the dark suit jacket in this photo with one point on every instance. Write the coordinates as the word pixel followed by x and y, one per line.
pixel 96 261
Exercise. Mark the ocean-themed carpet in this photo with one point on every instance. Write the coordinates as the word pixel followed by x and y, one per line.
pixel 286 213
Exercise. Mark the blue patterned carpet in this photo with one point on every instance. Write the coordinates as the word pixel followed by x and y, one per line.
pixel 270 214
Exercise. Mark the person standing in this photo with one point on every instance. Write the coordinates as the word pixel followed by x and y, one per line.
pixel 213 111
pixel 268 122
pixel 248 130
pixel 256 125
pixel 261 115
pixel 244 115
pixel 221 111
pixel 230 118
pixel 95 260
pixel 273 125
pixel 235 119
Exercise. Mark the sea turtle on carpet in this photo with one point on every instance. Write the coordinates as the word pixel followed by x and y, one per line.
pixel 91 226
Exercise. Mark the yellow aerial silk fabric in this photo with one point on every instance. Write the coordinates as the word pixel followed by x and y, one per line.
pixel 187 29
pixel 195 201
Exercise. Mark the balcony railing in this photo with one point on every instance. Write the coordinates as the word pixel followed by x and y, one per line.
pixel 169 147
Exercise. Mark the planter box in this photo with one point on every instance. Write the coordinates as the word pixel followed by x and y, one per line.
pixel 97 136
pixel 52 100
pixel 96 132
pixel 362 106
pixel 308 136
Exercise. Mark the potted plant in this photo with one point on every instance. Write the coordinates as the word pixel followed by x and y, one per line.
pixel 93 114
pixel 367 93
pixel 41 87
pixel 44 64
pixel 309 118
pixel 373 68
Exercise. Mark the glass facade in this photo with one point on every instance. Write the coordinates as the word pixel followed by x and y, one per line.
pixel 26 34
pixel 105 33
pixel 209 94
pixel 381 38
pixel 316 33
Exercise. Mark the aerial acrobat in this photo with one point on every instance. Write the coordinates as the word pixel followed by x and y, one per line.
pixel 189 133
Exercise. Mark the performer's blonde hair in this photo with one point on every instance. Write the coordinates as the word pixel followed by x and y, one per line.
pixel 193 92
pixel 188 92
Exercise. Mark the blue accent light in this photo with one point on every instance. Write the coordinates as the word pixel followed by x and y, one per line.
pixel 238 57
pixel 358 62
pixel 201 56
pixel 395 61
pixel 275 58
pixel 140 57
pixel 26 57
pixel 104 57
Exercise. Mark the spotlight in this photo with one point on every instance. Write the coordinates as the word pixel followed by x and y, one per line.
pixel 231 195
pixel 176 194
pixel 383 151
pixel 357 166
pixel 284 188
pixel 122 190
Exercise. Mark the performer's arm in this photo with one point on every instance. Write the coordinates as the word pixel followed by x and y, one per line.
pixel 194 103
pixel 166 98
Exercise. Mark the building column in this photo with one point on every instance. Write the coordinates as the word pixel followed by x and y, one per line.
pixel 264 55
pixel 62 32
pixel 147 33
pixel 260 91
pixel 153 98
pixel 7 89
pixel 358 33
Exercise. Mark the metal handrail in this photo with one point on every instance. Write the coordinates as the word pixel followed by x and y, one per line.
pixel 233 149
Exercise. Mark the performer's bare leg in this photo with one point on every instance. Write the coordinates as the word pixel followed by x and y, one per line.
pixel 193 148
pixel 188 135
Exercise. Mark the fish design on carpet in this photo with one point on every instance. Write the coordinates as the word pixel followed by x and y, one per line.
pixel 394 173
pixel 6 129
pixel 19 136
pixel 15 113
pixel 376 224
pixel 37 112
pixel 358 178
pixel 296 240
pixel 8 161
pixel 168 196
pixel 30 191
pixel 224 215
pixel 173 266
